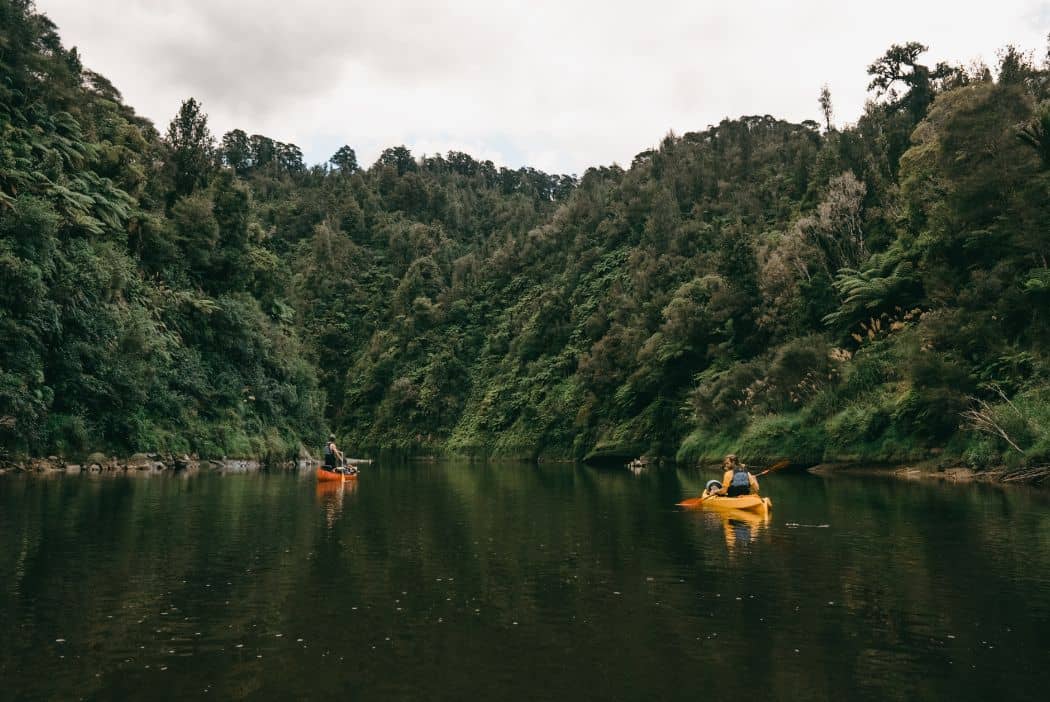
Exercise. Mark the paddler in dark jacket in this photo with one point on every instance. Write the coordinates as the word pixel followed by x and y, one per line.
pixel 333 457
pixel 737 479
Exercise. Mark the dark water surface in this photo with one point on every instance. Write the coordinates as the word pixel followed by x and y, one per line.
pixel 460 581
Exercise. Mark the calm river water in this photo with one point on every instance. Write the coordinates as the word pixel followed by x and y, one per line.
pixel 505 582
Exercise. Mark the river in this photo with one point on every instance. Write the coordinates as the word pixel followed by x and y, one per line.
pixel 452 581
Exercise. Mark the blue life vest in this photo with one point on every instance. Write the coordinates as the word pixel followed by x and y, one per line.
pixel 741 478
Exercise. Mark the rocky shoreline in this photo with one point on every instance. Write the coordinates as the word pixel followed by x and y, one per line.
pixel 1037 476
pixel 144 463
pixel 159 463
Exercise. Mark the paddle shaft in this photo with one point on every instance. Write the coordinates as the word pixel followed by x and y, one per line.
pixel 776 466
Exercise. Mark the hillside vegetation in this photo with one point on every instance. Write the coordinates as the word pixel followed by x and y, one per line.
pixel 877 292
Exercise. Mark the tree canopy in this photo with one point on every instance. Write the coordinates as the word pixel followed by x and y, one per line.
pixel 877 291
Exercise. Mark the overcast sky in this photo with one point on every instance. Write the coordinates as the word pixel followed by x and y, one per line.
pixel 556 84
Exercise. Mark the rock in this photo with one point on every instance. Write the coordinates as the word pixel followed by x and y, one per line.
pixel 73 468
pixel 139 461
pixel 239 465
pixel 43 465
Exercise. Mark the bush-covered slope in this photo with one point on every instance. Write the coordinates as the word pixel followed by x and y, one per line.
pixel 877 292
pixel 133 316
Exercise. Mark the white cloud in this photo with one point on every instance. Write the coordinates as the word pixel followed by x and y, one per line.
pixel 559 85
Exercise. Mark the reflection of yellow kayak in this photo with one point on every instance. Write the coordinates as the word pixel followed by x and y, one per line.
pixel 741 527
pixel 719 503
pixel 752 518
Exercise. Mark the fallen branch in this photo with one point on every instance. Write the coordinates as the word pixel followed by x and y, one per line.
pixel 1032 474
pixel 982 419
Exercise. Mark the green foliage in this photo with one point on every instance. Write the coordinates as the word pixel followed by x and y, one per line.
pixel 192 147
pixel 127 326
pixel 757 286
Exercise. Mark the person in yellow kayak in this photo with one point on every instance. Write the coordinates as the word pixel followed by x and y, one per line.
pixel 736 479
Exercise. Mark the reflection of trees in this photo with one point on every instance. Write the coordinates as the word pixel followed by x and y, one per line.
pixel 444 559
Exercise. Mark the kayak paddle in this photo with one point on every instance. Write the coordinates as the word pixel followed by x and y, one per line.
pixel 776 466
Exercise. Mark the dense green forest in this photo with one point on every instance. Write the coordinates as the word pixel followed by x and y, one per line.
pixel 876 292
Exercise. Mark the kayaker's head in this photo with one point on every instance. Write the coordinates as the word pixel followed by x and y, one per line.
pixel 730 461
pixel 331 437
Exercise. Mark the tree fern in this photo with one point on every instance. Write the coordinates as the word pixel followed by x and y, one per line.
pixel 889 280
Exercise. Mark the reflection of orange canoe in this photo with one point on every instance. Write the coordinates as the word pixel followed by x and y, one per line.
pixel 327 475
pixel 719 503
pixel 332 487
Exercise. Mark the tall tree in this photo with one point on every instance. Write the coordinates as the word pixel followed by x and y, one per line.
pixel 825 106
pixel 290 158
pixel 264 150
pixel 345 160
pixel 1015 66
pixel 237 151
pixel 192 147
pixel 900 65
pixel 399 157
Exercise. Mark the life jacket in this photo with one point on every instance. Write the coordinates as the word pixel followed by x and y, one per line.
pixel 329 455
pixel 741 478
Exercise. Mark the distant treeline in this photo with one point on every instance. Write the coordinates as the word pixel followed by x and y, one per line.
pixel 878 292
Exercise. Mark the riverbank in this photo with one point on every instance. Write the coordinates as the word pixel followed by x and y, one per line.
pixel 144 463
pixel 945 472
pixel 927 470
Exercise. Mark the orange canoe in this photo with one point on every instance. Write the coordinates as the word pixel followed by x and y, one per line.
pixel 323 474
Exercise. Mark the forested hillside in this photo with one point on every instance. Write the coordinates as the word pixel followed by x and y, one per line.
pixel 140 309
pixel 876 292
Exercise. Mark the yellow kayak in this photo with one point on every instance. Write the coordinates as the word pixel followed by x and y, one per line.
pixel 720 503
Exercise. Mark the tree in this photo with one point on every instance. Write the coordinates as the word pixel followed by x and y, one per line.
pixel 399 157
pixel 192 147
pixel 237 151
pixel 345 160
pixel 290 158
pixel 1015 66
pixel 900 65
pixel 1036 133
pixel 264 151
pixel 825 106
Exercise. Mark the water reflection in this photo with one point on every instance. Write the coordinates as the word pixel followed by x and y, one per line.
pixel 332 496
pixel 519 582
pixel 742 528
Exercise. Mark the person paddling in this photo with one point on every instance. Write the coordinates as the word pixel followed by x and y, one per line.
pixel 333 457
pixel 736 479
